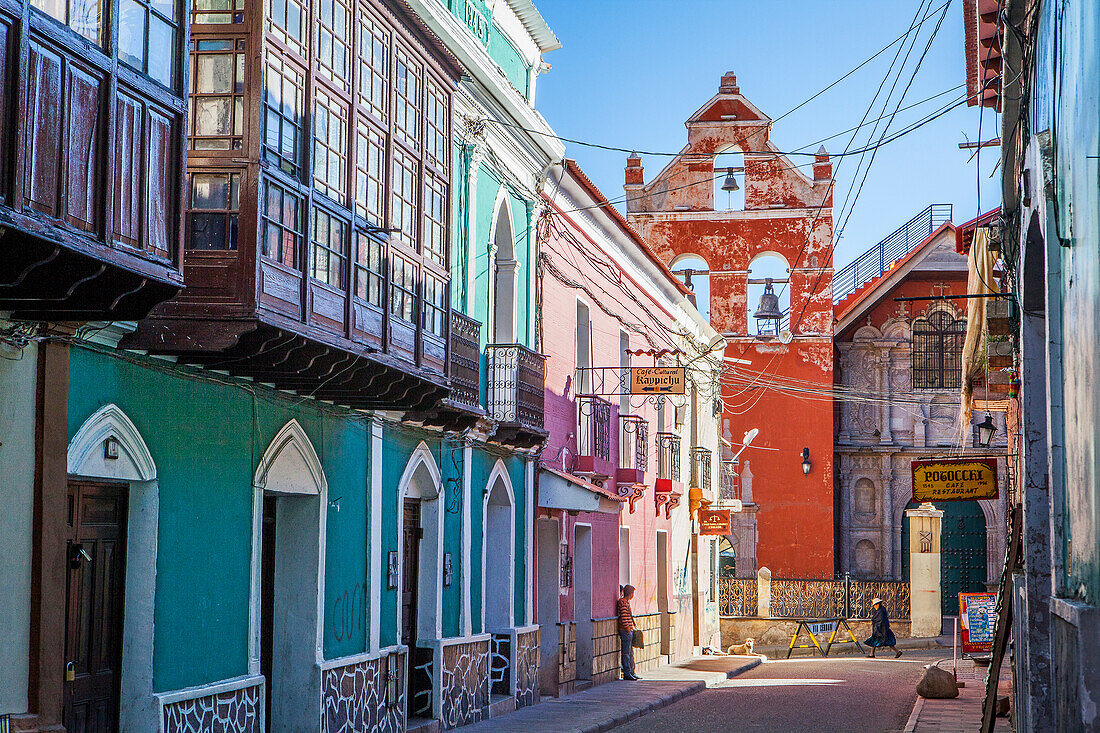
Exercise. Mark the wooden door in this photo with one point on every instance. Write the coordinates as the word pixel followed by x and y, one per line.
pixel 96 554
pixel 410 573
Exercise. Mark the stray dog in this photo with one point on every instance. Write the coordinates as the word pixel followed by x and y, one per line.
pixel 745 650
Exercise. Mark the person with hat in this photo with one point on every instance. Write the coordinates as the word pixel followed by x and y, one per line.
pixel 881 635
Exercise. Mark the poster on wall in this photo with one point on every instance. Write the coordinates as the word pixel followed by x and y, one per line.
pixel 954 480
pixel 978 617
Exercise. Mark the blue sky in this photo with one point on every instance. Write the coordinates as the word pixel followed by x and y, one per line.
pixel 631 71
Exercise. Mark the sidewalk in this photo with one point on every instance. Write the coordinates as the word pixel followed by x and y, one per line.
pixel 962 714
pixel 607 706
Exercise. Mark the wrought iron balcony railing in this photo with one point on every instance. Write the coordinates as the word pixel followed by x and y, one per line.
pixel 517 383
pixel 668 456
pixel 465 366
pixel 593 427
pixel 700 468
pixel 729 486
pixel 633 442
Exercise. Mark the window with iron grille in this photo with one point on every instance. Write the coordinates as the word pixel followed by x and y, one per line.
pixel 633 442
pixel 700 468
pixel 668 456
pixel 282 225
pixel 937 350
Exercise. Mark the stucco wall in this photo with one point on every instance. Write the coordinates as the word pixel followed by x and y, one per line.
pixel 17 421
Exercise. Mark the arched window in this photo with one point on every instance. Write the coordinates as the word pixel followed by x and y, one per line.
pixel 865 496
pixel 695 273
pixel 504 277
pixel 937 349
pixel 764 266
pixel 725 164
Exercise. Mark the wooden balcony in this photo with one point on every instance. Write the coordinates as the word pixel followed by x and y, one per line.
pixel 91 166
pixel 516 394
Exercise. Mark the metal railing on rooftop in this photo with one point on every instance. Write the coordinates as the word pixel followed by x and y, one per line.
pixel 879 258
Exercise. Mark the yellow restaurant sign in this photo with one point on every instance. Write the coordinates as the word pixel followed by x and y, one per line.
pixel 955 479
pixel 657 380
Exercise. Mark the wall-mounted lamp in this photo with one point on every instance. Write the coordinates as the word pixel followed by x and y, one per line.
pixel 806 460
pixel 986 431
pixel 110 448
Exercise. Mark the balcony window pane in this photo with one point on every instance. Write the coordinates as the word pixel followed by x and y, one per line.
pixel 369 173
pixel 329 147
pixel 403 196
pixel 161 38
pixel 403 289
pixel 435 219
pixel 218 11
pixel 217 95
pixel 373 42
pixel 283 109
pixel 435 115
pixel 332 41
pixel 407 103
pixel 329 248
pixel 86 18
pixel 284 22
pixel 131 33
pixel 282 225
pixel 212 218
pixel 435 304
pixel 368 267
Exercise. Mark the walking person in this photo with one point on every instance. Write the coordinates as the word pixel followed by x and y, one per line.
pixel 881 635
pixel 626 631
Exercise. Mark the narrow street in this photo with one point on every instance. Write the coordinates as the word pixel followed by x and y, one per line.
pixel 834 694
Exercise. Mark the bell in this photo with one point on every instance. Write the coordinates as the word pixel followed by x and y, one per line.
pixel 767 313
pixel 730 184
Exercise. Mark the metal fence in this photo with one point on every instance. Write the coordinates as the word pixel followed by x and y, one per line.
pixel 814 598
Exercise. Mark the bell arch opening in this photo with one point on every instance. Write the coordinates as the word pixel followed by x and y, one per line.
pixel 694 272
pixel 768 316
pixel 729 179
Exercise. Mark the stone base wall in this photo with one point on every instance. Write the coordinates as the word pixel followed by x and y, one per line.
pixel 605 650
pixel 354 697
pixel 464 683
pixel 526 655
pixel 778 631
pixel 236 711
pixel 567 658
pixel 649 657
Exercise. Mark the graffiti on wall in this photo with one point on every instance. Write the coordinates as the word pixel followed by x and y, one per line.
pixel 349 612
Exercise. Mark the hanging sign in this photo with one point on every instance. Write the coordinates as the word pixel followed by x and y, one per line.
pixel 958 479
pixel 715 521
pixel 657 380
pixel 978 617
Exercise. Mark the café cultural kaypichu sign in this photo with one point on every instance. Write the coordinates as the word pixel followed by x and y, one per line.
pixel 957 479
pixel 657 380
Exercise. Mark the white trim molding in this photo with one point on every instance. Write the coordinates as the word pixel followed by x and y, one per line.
pixel 429 618
pixel 87 451
pixel 499 476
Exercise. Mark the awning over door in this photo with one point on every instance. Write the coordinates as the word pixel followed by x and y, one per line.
pixel 559 490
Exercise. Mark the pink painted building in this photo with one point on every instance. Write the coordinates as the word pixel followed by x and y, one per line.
pixel 614 475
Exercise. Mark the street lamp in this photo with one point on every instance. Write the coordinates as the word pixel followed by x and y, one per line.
pixel 986 431
pixel 750 435
pixel 806 461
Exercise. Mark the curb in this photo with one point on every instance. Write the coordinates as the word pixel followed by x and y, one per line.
pixel 665 701
pixel 911 724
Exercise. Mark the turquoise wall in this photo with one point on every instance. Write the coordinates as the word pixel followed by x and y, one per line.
pixel 1065 101
pixel 507 57
pixel 206 438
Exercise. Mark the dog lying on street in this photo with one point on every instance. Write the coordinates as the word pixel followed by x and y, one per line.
pixel 744 650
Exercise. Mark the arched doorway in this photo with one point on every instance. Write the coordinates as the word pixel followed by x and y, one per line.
pixel 289 516
pixel 503 302
pixel 499 530
pixel 962 551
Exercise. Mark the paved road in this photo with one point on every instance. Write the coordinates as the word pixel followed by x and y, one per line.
pixel 843 694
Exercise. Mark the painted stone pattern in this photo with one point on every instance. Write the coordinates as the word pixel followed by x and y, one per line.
pixel 465 683
pixel 605 650
pixel 353 698
pixel 500 679
pixel 237 711
pixel 526 669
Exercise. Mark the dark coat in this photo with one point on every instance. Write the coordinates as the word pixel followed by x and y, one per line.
pixel 881 635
